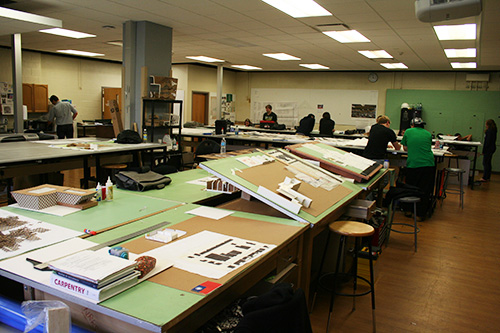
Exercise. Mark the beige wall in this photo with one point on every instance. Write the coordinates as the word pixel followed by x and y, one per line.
pixel 349 80
pixel 77 79
pixel 81 80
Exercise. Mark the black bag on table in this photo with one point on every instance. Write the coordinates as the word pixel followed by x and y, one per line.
pixel 135 181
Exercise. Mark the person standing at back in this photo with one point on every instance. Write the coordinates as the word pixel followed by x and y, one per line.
pixel 326 125
pixel 420 165
pixel 380 136
pixel 489 148
pixel 64 113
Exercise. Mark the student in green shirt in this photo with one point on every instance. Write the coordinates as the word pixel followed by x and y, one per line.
pixel 420 165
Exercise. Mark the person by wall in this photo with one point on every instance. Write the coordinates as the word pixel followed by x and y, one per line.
pixel 248 122
pixel 326 125
pixel 269 115
pixel 489 148
pixel 380 136
pixel 64 113
pixel 420 165
pixel 306 125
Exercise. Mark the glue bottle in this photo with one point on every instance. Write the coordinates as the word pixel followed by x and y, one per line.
pixel 103 192
pixel 98 190
pixel 109 190
pixel 223 146
pixel 386 164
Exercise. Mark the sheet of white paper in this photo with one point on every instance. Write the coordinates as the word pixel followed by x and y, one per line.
pixel 30 235
pixel 214 255
pixel 202 181
pixel 18 265
pixel 210 212
pixel 52 210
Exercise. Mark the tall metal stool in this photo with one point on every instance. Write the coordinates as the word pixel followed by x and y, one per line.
pixel 460 190
pixel 416 230
pixel 357 230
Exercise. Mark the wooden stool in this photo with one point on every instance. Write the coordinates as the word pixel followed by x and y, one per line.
pixel 112 169
pixel 409 200
pixel 357 230
pixel 460 190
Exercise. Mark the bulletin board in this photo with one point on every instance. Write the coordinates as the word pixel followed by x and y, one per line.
pixel 343 105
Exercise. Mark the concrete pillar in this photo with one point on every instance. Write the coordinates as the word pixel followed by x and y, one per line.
pixel 145 44
pixel 17 75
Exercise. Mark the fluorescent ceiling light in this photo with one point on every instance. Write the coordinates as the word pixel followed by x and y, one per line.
pixel 349 36
pixel 456 32
pixel 66 33
pixel 280 56
pixel 248 67
pixel 115 42
pixel 205 59
pixel 392 65
pixel 376 54
pixel 460 53
pixel 82 53
pixel 314 66
pixel 463 65
pixel 299 8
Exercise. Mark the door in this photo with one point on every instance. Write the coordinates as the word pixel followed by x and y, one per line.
pixel 109 94
pixel 200 107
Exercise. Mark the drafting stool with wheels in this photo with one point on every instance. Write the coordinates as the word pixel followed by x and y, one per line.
pixel 460 190
pixel 395 203
pixel 358 230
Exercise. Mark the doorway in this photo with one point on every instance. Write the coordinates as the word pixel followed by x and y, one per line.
pixel 109 94
pixel 200 107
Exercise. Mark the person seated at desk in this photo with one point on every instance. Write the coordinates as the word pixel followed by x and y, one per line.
pixel 380 136
pixel 248 123
pixel 463 138
pixel 270 115
pixel 326 125
pixel 420 165
pixel 306 125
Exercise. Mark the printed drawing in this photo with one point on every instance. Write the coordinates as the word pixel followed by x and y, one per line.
pixel 11 241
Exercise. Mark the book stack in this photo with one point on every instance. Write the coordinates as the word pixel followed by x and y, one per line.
pixel 94 276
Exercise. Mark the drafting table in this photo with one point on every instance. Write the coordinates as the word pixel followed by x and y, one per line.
pixel 38 157
pixel 165 303
pixel 181 189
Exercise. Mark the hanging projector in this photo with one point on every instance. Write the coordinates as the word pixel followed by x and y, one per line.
pixel 442 10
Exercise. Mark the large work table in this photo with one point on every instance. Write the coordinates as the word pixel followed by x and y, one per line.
pixel 166 302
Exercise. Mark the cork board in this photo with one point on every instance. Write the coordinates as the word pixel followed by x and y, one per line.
pixel 271 174
pixel 260 231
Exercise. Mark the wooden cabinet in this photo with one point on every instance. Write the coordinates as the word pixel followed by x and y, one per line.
pixel 36 97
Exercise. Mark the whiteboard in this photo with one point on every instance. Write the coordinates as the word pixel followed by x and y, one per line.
pixel 298 103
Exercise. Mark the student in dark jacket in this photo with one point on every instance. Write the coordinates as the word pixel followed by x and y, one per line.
pixel 489 147
pixel 380 136
pixel 326 125
pixel 306 125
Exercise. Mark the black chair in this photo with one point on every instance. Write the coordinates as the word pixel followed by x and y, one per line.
pixel 205 147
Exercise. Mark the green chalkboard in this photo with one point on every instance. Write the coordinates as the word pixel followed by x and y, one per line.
pixel 449 111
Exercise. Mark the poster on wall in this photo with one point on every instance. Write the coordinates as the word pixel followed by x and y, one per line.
pixel 363 111
pixel 7 102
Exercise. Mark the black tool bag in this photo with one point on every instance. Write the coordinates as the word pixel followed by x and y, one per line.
pixel 135 181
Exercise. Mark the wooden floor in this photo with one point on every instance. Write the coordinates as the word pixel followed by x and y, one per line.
pixel 452 284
